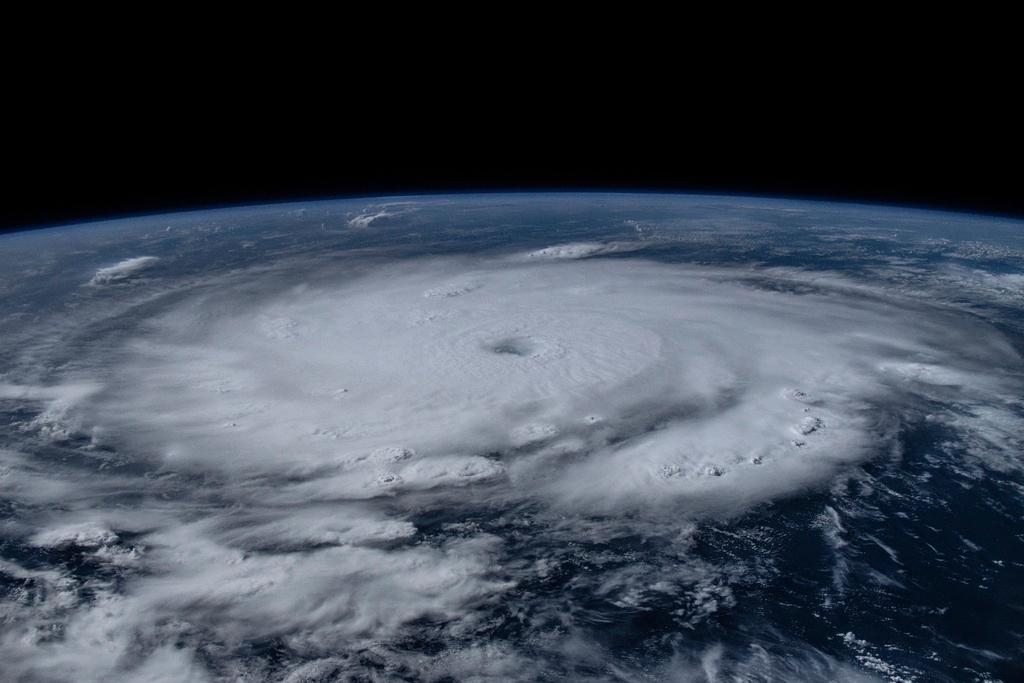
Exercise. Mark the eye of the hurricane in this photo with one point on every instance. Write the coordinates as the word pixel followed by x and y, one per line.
pixel 522 347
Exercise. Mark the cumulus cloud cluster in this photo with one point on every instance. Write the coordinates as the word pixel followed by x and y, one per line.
pixel 290 451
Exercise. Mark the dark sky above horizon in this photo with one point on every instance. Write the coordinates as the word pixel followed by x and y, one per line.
pixel 134 124
pixel 71 166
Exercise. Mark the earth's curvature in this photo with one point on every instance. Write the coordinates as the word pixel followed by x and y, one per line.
pixel 514 438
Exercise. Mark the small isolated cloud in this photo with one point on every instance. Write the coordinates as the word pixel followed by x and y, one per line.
pixel 123 270
pixel 371 215
pixel 578 250
pixel 364 220
pixel 380 212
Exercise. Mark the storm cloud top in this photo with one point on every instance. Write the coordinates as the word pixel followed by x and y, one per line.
pixel 343 461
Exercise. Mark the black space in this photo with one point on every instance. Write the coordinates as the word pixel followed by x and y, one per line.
pixel 86 154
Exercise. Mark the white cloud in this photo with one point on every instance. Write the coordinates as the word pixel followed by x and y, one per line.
pixel 524 358
pixel 365 220
pixel 123 270
pixel 87 534
pixel 579 250
pixel 372 214
pixel 285 445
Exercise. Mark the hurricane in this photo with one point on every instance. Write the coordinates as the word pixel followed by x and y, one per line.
pixel 531 437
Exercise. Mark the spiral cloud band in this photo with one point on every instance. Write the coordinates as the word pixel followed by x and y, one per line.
pixel 294 433
pixel 597 383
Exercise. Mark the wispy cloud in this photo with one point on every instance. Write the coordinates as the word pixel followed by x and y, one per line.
pixel 379 212
pixel 123 270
